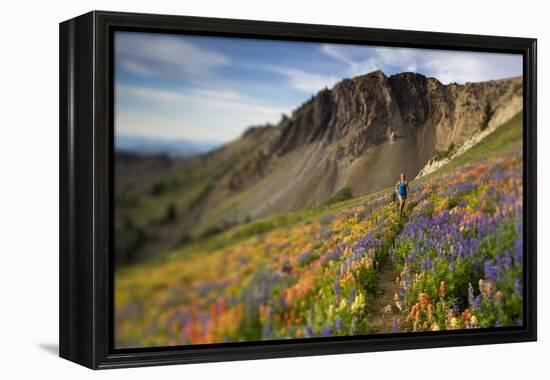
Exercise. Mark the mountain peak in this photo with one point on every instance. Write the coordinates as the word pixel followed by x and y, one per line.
pixel 378 73
pixel 408 75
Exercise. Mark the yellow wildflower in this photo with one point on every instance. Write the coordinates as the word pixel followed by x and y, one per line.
pixel 343 304
pixel 455 324
pixel 358 304
pixel 331 311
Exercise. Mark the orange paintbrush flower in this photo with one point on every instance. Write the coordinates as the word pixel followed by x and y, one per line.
pixel 442 288
pixel 424 300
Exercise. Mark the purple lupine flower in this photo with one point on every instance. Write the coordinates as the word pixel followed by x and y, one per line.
pixel 452 266
pixel 477 302
pixel 335 254
pixel 338 323
pixel 491 271
pixel 327 331
pixel 477 267
pixel 395 325
pixel 309 331
pixel 509 260
pixel 422 265
pixel 430 263
pixel 337 287
pixel 401 293
pixel 504 261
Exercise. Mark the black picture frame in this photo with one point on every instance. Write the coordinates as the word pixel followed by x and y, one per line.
pixel 86 188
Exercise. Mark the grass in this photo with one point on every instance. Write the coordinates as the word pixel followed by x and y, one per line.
pixel 500 141
pixel 341 195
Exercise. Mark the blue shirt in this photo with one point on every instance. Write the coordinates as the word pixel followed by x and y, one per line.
pixel 402 188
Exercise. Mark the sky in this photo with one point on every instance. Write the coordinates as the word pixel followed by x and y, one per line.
pixel 211 89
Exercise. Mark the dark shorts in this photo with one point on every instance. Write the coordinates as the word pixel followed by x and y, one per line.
pixel 402 196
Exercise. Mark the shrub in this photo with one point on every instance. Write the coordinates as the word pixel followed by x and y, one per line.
pixel 341 195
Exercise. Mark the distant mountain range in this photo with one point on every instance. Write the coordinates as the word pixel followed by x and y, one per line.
pixel 173 148
pixel 357 136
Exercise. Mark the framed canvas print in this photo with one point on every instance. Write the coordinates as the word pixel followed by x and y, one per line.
pixel 236 189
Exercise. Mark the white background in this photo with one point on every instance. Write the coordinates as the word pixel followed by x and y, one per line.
pixel 29 187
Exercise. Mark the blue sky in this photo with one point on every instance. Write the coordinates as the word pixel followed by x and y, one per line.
pixel 210 89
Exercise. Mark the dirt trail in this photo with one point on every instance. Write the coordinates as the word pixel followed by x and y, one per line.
pixel 383 309
pixel 383 306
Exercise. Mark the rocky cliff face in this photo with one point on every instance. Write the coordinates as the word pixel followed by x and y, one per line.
pixel 369 108
pixel 360 134
pixel 364 131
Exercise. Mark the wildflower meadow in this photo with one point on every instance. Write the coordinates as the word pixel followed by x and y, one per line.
pixel 454 260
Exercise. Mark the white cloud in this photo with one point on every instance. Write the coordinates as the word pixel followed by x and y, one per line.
pixel 395 56
pixel 446 66
pixel 165 55
pixel 356 57
pixel 306 82
pixel 463 67
pixel 196 114
pixel 222 100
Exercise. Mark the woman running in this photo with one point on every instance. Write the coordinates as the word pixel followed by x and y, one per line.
pixel 402 189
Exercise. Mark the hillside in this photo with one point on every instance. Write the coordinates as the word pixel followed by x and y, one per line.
pixel 357 136
pixel 348 268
